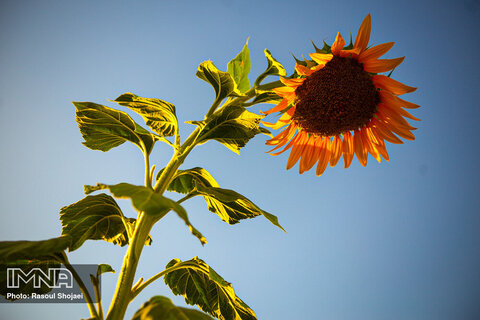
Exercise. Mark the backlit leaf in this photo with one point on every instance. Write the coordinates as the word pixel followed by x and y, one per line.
pixel 104 128
pixel 229 205
pixel 274 68
pixel 96 217
pixel 222 82
pixel 144 199
pixel 232 126
pixel 202 286
pixel 239 68
pixel 162 308
pixel 159 115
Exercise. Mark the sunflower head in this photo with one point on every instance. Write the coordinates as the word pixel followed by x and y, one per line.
pixel 338 104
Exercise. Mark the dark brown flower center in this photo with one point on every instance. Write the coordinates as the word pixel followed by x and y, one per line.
pixel 335 99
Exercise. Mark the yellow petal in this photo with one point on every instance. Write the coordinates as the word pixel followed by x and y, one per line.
pixel 302 70
pixel 294 82
pixel 321 58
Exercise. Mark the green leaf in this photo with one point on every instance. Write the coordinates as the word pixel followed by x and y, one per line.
pixel 229 205
pixel 274 68
pixel 145 199
pixel 232 126
pixel 104 128
pixel 32 268
pixel 159 115
pixel 162 308
pixel 45 250
pixel 28 255
pixel 202 286
pixel 96 217
pixel 239 68
pixel 222 82
pixel 186 181
pixel 104 268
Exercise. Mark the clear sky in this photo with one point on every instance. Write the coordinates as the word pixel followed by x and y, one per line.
pixel 396 240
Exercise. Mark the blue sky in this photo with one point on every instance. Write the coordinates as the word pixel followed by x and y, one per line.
pixel 396 240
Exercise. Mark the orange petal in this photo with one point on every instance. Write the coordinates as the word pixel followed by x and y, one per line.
pixel 390 99
pixel 381 129
pixel 381 65
pixel 396 128
pixel 306 161
pixel 321 58
pixel 283 90
pixel 297 150
pixel 360 148
pixel 352 52
pixel 375 52
pixel 324 156
pixel 369 144
pixel 289 136
pixel 302 70
pixel 294 82
pixel 386 83
pixel 279 107
pixel 347 149
pixel 363 35
pixel 393 117
pixel 336 151
pixel 279 137
pixel 381 148
pixel 399 110
pixel 338 45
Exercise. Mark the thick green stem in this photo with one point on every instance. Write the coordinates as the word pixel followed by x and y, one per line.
pixel 123 292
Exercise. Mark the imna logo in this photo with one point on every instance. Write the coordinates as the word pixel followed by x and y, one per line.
pixel 52 278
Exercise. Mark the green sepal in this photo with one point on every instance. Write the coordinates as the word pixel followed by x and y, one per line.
pixel 239 68
pixel 350 45
pixel 232 126
pixel 298 61
pixel 146 200
pixel 159 115
pixel 229 205
pixel 202 286
pixel 274 68
pixel 104 128
pixel 162 308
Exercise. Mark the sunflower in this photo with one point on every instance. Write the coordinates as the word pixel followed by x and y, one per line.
pixel 338 104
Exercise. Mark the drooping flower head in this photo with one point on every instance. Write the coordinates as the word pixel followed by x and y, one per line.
pixel 338 104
